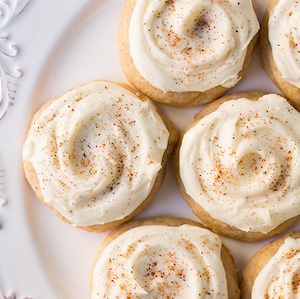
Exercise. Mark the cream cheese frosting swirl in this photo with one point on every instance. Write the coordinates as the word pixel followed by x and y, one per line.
pixel 156 261
pixel 284 35
pixel 191 45
pixel 241 163
pixel 96 151
pixel 280 276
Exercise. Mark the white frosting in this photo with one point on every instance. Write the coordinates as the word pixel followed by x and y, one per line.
pixel 156 261
pixel 97 151
pixel 284 36
pixel 241 163
pixel 280 276
pixel 191 45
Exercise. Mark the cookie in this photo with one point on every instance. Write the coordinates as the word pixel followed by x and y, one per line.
pixel 186 53
pixel 280 47
pixel 238 165
pixel 273 271
pixel 163 257
pixel 96 155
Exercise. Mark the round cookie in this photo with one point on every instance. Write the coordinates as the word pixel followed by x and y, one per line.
pixel 218 170
pixel 96 155
pixel 283 250
pixel 156 71
pixel 282 65
pixel 151 245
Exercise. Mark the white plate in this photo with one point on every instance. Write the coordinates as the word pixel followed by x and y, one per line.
pixel 64 43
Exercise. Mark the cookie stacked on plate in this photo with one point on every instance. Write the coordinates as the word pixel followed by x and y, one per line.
pixel 96 155
pixel 186 53
pixel 273 272
pixel 280 47
pixel 238 165
pixel 163 257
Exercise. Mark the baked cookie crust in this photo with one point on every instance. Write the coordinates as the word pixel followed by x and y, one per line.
pixel 227 259
pixel 176 99
pixel 32 178
pixel 259 260
pixel 267 60
pixel 213 224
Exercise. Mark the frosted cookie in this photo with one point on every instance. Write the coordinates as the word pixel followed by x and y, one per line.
pixel 96 155
pixel 186 53
pixel 280 46
pixel 238 165
pixel 273 272
pixel 163 257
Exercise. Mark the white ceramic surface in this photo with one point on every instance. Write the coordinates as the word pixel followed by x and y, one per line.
pixel 63 43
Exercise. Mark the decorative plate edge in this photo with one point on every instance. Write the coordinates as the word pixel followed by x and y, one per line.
pixel 9 11
pixel 3 200
pixel 12 295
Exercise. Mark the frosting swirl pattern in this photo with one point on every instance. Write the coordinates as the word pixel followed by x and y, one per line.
pixel 96 151
pixel 280 276
pixel 191 45
pixel 241 163
pixel 156 261
pixel 284 34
